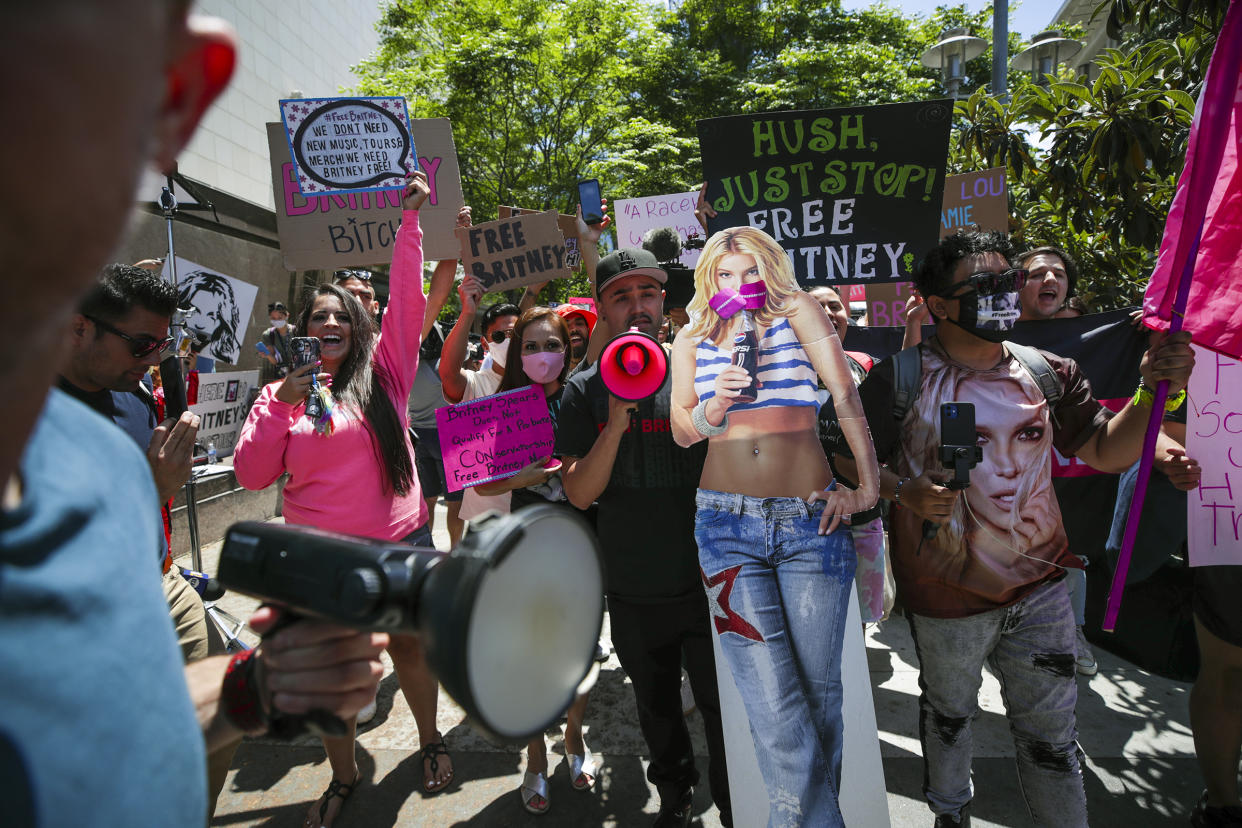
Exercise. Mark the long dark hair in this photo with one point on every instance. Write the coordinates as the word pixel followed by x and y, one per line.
pixel 357 383
pixel 515 375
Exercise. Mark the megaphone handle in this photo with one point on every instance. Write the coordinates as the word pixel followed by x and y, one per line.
pixel 287 725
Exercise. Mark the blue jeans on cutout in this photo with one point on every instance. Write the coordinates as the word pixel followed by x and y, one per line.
pixel 778 592
pixel 1030 648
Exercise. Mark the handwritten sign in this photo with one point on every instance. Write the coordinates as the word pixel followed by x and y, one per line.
pixel 348 145
pixel 569 230
pixel 635 216
pixel 853 194
pixel 1214 438
pixel 222 407
pixel 973 199
pixel 325 232
pixel 494 437
pixel 515 251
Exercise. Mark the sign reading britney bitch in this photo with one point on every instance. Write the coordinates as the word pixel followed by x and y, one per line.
pixel 852 194
pixel 349 145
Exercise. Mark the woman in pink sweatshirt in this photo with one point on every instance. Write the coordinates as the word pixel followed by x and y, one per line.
pixel 352 470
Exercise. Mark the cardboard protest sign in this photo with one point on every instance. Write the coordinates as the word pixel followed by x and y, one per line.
pixel 494 437
pixel 348 145
pixel 852 194
pixel 973 199
pixel 515 251
pixel 358 229
pixel 635 216
pixel 222 407
pixel 569 229
pixel 1214 438
pixel 219 305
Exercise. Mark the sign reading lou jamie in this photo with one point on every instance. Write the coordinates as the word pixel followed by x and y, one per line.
pixel 1214 438
pixel 635 216
pixel 494 437
pixel 852 194
pixel 222 407
pixel 348 145
pixel 514 252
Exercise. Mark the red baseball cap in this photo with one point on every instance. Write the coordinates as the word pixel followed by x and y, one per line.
pixel 565 311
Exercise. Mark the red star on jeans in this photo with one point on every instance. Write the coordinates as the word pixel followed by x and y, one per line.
pixel 719 587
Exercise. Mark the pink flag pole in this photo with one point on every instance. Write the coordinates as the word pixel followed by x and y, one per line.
pixel 1149 453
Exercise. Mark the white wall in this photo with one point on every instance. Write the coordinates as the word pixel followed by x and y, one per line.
pixel 307 45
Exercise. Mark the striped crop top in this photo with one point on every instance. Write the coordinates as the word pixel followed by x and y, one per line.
pixel 785 374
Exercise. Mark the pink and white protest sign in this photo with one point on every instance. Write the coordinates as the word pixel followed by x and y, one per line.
pixel 635 216
pixel 494 437
pixel 1214 438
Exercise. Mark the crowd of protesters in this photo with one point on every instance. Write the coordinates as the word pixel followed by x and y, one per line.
pixel 722 501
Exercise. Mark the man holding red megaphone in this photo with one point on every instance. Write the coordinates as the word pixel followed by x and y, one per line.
pixel 616 447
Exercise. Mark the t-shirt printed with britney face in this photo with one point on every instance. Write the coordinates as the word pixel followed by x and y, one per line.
pixel 1005 534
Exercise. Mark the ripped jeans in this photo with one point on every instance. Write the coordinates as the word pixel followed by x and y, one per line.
pixel 1030 648
pixel 778 595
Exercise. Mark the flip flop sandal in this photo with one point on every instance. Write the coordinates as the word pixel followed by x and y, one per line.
pixel 429 754
pixel 336 789
pixel 534 785
pixel 582 770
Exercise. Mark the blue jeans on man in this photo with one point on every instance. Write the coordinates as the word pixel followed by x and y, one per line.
pixel 778 591
pixel 1030 648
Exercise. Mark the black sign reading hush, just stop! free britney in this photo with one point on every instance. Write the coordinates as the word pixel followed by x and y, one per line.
pixel 852 194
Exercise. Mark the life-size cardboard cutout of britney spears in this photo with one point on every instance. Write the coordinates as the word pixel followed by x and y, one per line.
pixel 777 562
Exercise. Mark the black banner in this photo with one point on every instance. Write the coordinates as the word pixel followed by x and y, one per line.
pixel 852 194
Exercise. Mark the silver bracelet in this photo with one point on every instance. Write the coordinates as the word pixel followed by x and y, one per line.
pixel 699 417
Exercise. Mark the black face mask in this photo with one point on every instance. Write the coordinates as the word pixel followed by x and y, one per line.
pixel 992 305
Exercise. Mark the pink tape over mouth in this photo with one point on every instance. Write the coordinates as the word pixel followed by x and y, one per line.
pixel 755 294
pixel 727 302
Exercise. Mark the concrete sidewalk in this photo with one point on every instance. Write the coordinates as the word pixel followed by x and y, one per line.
pixel 1134 728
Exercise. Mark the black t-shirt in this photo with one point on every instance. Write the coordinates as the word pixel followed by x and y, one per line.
pixel 646 512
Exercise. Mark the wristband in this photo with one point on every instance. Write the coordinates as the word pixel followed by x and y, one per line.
pixel 698 416
pixel 1145 396
pixel 239 694
pixel 897 489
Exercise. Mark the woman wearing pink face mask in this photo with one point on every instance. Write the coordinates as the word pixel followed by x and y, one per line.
pixel 538 355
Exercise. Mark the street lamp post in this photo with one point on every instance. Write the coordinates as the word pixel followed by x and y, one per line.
pixel 950 55
pixel 1047 51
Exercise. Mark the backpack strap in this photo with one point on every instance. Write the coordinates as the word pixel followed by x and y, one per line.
pixel 1035 364
pixel 907 371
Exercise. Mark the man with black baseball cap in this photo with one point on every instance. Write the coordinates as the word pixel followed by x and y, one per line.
pixel 622 454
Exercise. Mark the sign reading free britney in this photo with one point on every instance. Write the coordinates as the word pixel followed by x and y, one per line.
pixel 852 194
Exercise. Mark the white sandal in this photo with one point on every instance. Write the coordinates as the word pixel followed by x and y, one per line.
pixel 582 768
pixel 534 785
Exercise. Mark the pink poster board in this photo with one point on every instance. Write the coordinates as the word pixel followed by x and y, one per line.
pixel 494 437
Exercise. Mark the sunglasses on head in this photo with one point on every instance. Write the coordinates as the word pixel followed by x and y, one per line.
pixel 988 283
pixel 500 336
pixel 361 275
pixel 140 346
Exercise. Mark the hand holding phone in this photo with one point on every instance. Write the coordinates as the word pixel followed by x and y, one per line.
pixel 305 350
pixel 590 198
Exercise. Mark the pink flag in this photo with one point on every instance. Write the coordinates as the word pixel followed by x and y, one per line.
pixel 1209 196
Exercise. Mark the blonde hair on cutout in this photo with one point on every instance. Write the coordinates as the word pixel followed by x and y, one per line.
pixel 774 268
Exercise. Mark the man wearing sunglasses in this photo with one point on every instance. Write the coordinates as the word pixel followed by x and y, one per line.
pixel 358 282
pixel 981 572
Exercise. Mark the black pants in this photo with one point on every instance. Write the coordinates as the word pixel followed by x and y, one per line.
pixel 653 641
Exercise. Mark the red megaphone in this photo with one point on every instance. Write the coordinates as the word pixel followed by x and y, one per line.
pixel 633 365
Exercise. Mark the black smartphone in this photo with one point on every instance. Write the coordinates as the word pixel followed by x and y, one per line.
pixel 305 350
pixel 589 197
pixel 957 424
